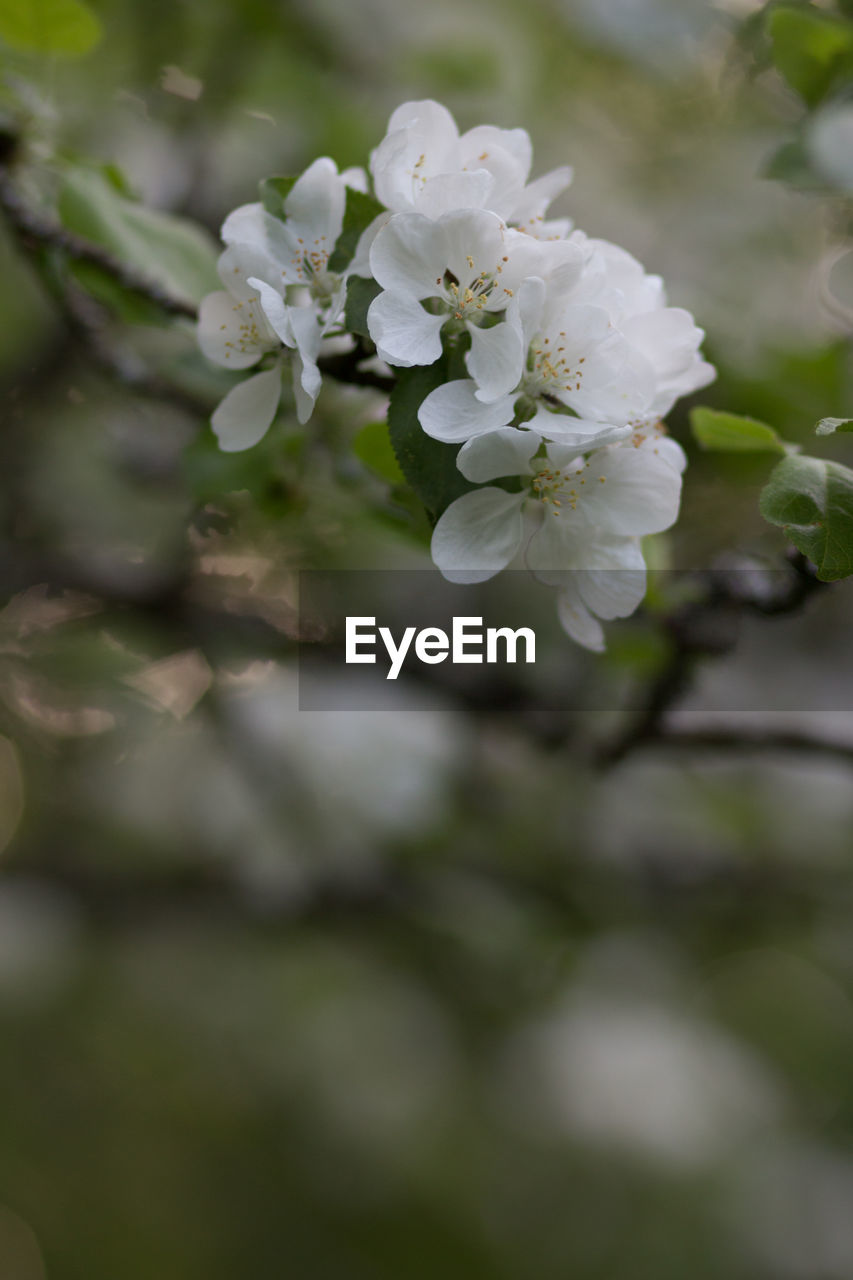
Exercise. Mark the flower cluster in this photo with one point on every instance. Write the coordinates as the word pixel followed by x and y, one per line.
pixel 572 355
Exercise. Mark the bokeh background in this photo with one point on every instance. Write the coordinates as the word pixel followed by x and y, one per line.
pixel 407 992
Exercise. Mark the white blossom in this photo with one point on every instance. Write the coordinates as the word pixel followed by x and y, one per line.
pixel 576 519
pixel 423 165
pixel 234 332
pixel 583 360
pixel 572 353
pixel 666 338
pixel 461 269
pixel 278 270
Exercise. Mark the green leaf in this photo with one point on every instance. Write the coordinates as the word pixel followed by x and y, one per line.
pixel 372 445
pixel 210 473
pixel 428 465
pixel 173 252
pixel 813 50
pixel 360 294
pixel 813 502
pixel 828 426
pixel 359 212
pixel 792 164
pixel 130 307
pixel 66 27
pixel 274 192
pixel 713 429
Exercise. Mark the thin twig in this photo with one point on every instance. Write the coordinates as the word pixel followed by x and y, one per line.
pixel 703 628
pixel 344 368
pixel 737 737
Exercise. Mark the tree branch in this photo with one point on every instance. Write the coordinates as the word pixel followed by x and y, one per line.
pixel 703 628
pixel 717 736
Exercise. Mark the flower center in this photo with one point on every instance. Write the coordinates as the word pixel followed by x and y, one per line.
pixel 417 175
pixel 554 369
pixel 466 299
pixel 559 489
pixel 310 264
pixel 252 329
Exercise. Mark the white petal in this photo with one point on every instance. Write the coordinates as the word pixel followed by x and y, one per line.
pixel 526 256
pixel 535 198
pixel 355 178
pixel 617 272
pixel 422 140
pixel 578 623
pixel 307 378
pixel 583 329
pixel 240 262
pixel 251 226
pixel 612 577
pixel 566 263
pixel 667 449
pixel 360 265
pixel 404 333
pixel 668 339
pixel 697 374
pixel 553 229
pixel 498 454
pixel 495 361
pixel 229 332
pixel 639 494
pixel 245 414
pixel 525 310
pixel 473 242
pixel 478 535
pixel 446 192
pixel 564 456
pixel 409 255
pixel 452 412
pixel 700 374
pixel 507 174
pixel 554 547
pixel 576 433
pixel 315 204
pixel 479 145
pixel 431 121
pixel 276 311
